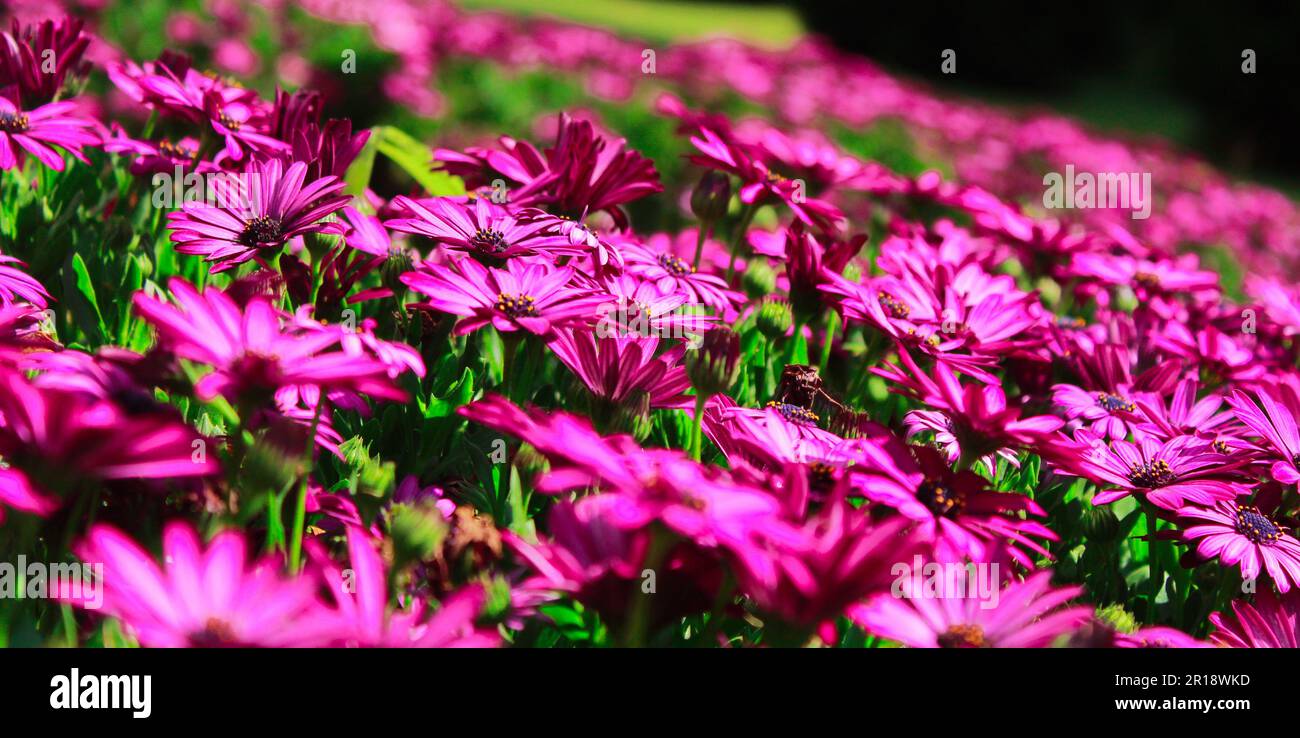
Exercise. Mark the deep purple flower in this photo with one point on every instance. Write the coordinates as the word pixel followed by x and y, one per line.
pixel 616 368
pixel 26 54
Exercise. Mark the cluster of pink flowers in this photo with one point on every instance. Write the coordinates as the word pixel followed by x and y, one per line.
pixel 999 346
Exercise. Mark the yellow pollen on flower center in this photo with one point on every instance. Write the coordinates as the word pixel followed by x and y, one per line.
pixel 963 636
pixel 1152 474
pixel 517 306
pixel 1257 526
pixel 941 499
pixel 14 122
pixel 229 122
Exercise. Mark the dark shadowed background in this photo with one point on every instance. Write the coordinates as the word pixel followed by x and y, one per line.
pixel 1173 69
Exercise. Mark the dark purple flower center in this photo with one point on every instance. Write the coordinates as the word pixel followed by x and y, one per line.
pixel 1152 474
pixel 177 151
pixel 941 499
pixel 962 636
pixel 1222 447
pixel 1256 526
pixel 675 265
pixel 892 305
pixel 223 79
pixel 260 230
pixel 517 306
pixel 1147 280
pixel 14 122
pixel 215 634
pixel 794 413
pixel 230 123
pixel 1114 403
pixel 490 240
pixel 821 477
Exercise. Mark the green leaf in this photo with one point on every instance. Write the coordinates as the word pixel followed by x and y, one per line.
pixel 416 159
pixel 358 174
pixel 458 394
pixel 81 298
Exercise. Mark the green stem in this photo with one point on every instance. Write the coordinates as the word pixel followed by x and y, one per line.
pixel 832 325
pixel 742 227
pixel 1153 563
pixel 705 227
pixel 509 346
pixel 697 437
pixel 638 621
pixel 795 338
pixel 300 506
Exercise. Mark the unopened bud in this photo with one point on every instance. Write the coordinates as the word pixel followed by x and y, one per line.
pixel 715 366
pixel 759 278
pixel 775 317
pixel 417 530
pixel 711 196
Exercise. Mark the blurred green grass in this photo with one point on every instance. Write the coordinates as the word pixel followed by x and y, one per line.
pixel 767 26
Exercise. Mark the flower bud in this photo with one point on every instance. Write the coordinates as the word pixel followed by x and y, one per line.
pixel 775 317
pixel 418 531
pixel 1118 618
pixel 632 416
pixel 391 271
pixel 711 196
pixel 1100 524
pixel 759 278
pixel 715 366
pixel 320 243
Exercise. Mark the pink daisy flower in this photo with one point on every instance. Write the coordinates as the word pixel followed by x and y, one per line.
pixel 617 368
pixel 1241 535
pixel 362 617
pixel 1276 423
pixel 17 286
pixel 974 419
pixel 1167 474
pixel 535 297
pixel 1026 616
pixel 1271 622
pixel 257 210
pixel 203 596
pixel 478 228
pixel 252 353
pixel 38 131
pixel 61 439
